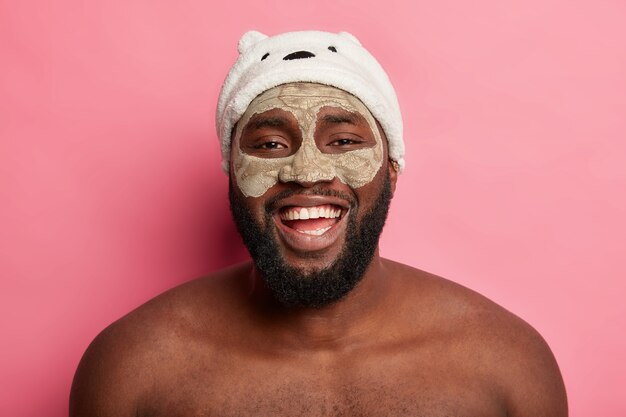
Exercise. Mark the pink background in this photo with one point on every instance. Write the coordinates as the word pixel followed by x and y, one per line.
pixel 111 191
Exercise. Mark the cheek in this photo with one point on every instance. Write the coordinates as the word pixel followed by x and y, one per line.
pixel 256 175
pixel 358 168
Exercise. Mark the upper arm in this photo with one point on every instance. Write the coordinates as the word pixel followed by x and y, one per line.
pixel 535 384
pixel 106 382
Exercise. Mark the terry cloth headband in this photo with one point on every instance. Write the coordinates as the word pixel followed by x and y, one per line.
pixel 335 59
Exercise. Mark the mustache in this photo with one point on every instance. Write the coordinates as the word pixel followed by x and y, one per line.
pixel 271 204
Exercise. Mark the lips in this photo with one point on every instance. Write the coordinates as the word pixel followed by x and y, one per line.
pixel 310 223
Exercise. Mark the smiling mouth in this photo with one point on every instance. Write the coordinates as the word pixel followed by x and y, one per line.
pixel 313 221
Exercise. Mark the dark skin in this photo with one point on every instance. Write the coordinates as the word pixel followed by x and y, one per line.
pixel 402 343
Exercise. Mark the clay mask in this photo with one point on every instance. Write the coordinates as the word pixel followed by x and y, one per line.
pixel 255 175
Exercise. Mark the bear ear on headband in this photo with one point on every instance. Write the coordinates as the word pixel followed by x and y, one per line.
pixel 248 39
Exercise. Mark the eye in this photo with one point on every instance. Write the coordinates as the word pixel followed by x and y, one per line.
pixel 332 49
pixel 344 142
pixel 270 145
pixel 265 56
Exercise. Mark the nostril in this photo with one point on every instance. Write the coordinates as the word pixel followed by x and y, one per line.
pixel 298 55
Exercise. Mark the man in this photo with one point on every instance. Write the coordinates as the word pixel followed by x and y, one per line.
pixel 318 324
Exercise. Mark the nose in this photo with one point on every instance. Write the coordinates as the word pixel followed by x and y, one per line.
pixel 309 166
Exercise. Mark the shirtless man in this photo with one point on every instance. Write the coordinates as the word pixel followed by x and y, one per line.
pixel 318 324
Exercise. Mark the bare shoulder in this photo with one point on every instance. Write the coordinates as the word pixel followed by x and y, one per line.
pixel 489 340
pixel 116 373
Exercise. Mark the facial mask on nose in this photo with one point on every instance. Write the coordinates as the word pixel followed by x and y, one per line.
pixel 355 168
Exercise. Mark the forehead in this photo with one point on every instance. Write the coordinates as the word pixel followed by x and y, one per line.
pixel 297 97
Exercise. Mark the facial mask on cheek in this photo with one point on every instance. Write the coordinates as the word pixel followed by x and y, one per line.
pixel 304 100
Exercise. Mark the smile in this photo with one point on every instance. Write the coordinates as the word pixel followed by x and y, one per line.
pixel 315 220
pixel 305 213
pixel 308 223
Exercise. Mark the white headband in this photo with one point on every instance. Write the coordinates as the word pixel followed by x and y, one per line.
pixel 333 59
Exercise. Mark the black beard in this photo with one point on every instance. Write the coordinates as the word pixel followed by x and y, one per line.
pixel 295 287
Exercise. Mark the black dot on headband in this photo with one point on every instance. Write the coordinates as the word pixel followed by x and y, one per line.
pixel 299 55
pixel 265 56
pixel 332 49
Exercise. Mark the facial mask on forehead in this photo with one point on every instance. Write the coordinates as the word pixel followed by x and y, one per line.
pixel 308 164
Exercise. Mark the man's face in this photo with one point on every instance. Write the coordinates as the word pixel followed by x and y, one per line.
pixel 307 190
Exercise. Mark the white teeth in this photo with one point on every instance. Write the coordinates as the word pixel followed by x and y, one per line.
pixel 304 213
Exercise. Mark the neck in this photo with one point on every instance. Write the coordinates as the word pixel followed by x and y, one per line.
pixel 341 324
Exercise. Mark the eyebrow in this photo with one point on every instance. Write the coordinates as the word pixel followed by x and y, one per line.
pixel 261 122
pixel 349 118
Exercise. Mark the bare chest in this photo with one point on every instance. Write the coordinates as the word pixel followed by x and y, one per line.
pixel 352 387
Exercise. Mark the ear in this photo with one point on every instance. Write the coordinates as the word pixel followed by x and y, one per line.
pixel 393 175
pixel 248 39
pixel 350 37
